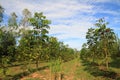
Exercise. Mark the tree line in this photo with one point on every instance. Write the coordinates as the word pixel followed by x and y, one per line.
pixel 26 40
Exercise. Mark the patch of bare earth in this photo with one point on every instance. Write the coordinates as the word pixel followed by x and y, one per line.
pixel 42 75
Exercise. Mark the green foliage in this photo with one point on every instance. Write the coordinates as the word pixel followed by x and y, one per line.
pixel 12 22
pixel 40 29
pixel 59 50
pixel 55 66
pixel 100 41
pixel 34 44
pixel 7 49
pixel 116 48
pixel 30 45
pixel 25 19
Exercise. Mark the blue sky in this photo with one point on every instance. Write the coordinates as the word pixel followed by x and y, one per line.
pixel 70 18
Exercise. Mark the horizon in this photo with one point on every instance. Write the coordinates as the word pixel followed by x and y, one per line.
pixel 70 20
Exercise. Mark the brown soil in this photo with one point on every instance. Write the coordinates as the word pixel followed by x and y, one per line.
pixel 42 75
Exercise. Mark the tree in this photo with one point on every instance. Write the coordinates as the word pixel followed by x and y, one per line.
pixel 25 49
pixel 92 42
pixel 12 22
pixel 25 20
pixel 117 46
pixel 116 54
pixel 58 50
pixel 40 30
pixel 84 53
pixel 54 48
pixel 7 48
pixel 100 41
pixel 1 13
pixel 107 37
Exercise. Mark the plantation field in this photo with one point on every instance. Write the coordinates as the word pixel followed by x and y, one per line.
pixel 29 50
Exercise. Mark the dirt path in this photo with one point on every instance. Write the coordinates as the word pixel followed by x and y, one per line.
pixel 72 67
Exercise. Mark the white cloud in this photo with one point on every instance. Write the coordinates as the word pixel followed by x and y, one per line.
pixel 107 11
pixel 75 43
pixel 75 29
pixel 116 20
pixel 70 18
pixel 57 9
pixel 15 6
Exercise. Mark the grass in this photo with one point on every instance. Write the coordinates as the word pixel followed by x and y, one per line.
pixel 32 79
pixel 83 75
pixel 72 70
pixel 16 72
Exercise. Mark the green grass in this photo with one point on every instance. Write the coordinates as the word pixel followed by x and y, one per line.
pixel 83 75
pixel 74 70
pixel 33 79
pixel 88 72
pixel 15 72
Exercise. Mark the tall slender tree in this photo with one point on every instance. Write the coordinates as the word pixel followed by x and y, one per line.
pixel 1 13
pixel 25 20
pixel 12 22
pixel 40 30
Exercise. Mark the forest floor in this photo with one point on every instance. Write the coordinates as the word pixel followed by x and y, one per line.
pixel 72 70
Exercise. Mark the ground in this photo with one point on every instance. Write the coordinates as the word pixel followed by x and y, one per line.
pixel 72 70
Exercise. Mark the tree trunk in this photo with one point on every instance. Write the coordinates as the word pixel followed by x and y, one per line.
pixel 106 61
pixel 55 76
pixel 4 71
pixel 37 64
pixel 50 73
pixel 107 66
pixel 93 58
pixel 60 76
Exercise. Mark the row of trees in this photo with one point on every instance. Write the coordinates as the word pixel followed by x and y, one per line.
pixel 27 40
pixel 102 44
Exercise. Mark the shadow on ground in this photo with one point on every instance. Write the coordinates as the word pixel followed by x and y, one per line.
pixel 23 74
pixel 115 63
pixel 96 71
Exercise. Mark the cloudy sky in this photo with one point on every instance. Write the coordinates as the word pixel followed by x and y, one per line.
pixel 70 18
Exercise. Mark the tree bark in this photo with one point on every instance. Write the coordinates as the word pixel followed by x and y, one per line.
pixel 37 64
pixel 106 58
pixel 60 76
